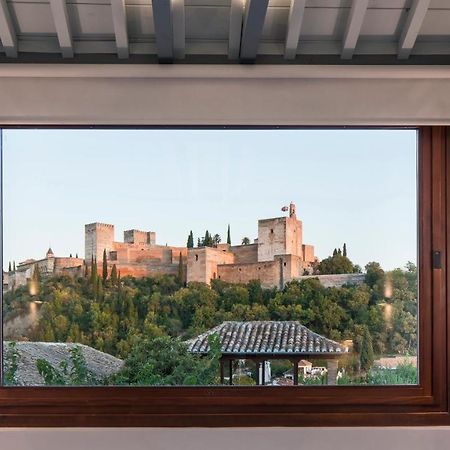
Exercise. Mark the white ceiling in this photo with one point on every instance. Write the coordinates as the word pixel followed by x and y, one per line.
pixel 233 29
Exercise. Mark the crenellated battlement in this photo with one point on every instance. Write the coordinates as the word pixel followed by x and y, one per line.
pixel 98 225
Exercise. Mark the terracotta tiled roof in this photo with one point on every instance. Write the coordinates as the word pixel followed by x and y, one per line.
pixel 266 337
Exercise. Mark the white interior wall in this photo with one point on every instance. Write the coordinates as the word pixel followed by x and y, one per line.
pixel 226 439
pixel 235 94
pixel 225 95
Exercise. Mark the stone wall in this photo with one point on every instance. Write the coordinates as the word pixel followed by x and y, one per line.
pixel 138 255
pixel 244 254
pixel 308 253
pixel 271 238
pixel 268 272
pixel 291 267
pixel 139 270
pixel 202 263
pixel 294 236
pixel 338 280
pixel 65 263
pixel 139 237
pixel 98 237
pixel 279 236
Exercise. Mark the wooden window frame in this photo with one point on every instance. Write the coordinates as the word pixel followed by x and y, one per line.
pixel 424 404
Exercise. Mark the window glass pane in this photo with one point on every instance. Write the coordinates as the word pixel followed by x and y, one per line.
pixel 208 257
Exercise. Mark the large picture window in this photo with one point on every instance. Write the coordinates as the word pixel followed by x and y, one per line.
pixel 289 271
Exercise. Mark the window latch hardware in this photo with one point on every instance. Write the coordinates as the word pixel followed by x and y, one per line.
pixel 437 263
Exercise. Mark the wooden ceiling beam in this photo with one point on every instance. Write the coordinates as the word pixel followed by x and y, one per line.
pixel 179 29
pixel 235 29
pixel 62 25
pixel 162 18
pixel 353 29
pixel 255 14
pixel 412 27
pixel 8 35
pixel 119 16
pixel 296 14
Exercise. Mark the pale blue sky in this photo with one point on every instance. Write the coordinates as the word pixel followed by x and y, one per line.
pixel 353 186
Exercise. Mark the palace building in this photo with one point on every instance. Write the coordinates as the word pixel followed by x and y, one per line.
pixel 277 256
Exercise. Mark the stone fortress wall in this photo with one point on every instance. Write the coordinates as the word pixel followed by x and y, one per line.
pixel 277 256
pixel 48 266
pixel 97 237
pixel 138 255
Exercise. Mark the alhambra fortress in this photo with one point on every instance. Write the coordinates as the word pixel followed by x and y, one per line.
pixel 277 256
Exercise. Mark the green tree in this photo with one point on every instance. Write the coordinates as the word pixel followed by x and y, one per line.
pixel 73 372
pixel 216 240
pixel 366 356
pixel 94 273
pixel 229 235
pixel 11 363
pixel 99 290
pixel 208 240
pixel 245 241
pixel 181 274
pixel 374 274
pixel 190 241
pixel 166 361
pixel 105 267
pixel 114 275
pixel 335 264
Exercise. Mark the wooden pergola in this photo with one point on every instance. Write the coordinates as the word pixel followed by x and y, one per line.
pixel 260 341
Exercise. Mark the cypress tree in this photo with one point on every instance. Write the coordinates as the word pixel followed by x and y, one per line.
pixel 199 242
pixel 94 274
pixel 366 356
pixel 76 255
pixel 9 267
pixel 70 256
pixel 339 251
pixel 14 266
pixel 181 270
pixel 334 252
pixel 190 241
pixel 114 275
pixel 229 235
pixel 99 289
pixel 105 267
pixel 344 250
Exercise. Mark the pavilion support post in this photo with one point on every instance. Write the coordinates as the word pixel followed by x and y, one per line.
pixel 230 364
pixel 258 365
pixel 295 371
pixel 263 373
pixel 222 370
pixel 332 367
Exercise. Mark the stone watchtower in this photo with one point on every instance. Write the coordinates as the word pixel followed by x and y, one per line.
pixel 280 236
pixel 98 237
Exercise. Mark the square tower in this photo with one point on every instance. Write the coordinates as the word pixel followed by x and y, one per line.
pixel 280 236
pixel 97 237
pixel 139 237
